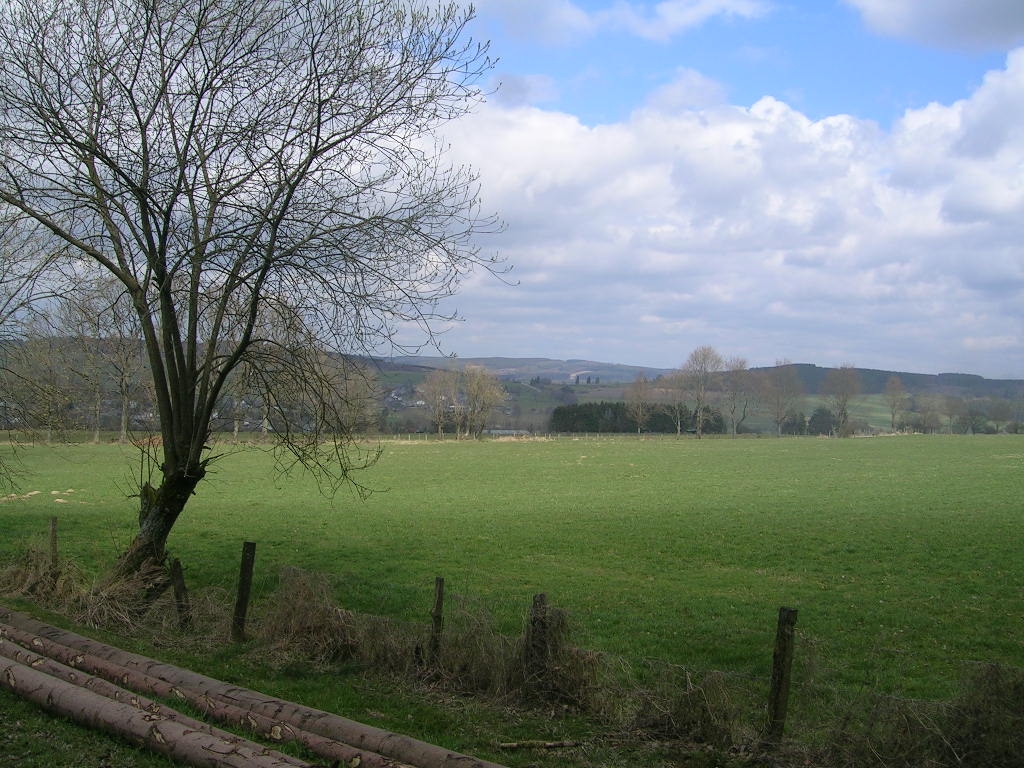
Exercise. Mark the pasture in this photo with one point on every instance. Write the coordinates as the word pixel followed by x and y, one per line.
pixel 902 554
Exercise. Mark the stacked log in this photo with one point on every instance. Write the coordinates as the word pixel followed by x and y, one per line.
pixel 104 687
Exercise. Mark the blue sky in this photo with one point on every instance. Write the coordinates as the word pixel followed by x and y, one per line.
pixel 818 56
pixel 826 182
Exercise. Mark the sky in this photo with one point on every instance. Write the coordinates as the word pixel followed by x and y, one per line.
pixel 821 181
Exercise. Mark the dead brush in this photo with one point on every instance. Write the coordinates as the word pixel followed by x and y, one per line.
pixel 473 656
pixel 676 704
pixel 300 619
pixel 888 731
pixel 384 644
pixel 546 667
pixel 211 610
pixel 984 723
pixel 33 575
pixel 65 588
pixel 982 726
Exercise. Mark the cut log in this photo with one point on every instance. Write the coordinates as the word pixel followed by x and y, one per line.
pixel 363 737
pixel 78 662
pixel 146 729
pixel 9 652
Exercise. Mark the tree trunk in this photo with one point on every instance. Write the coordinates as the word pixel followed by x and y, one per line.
pixel 159 509
pixel 97 415
pixel 157 732
pixel 125 404
pixel 107 675
pixel 212 695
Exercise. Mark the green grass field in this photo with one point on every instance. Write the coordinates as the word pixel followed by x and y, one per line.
pixel 902 554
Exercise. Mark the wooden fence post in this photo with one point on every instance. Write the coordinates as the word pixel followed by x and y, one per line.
pixel 535 648
pixel 53 546
pixel 437 616
pixel 782 663
pixel 244 589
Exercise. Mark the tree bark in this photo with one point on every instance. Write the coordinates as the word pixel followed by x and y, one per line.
pixel 106 677
pixel 155 731
pixel 159 509
pixel 122 437
pixel 287 715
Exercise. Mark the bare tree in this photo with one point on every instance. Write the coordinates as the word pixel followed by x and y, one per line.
pixel 671 395
pixel 896 398
pixel 930 409
pixel 39 380
pixel 108 350
pixel 840 386
pixel 953 408
pixel 25 252
pixel 440 391
pixel 699 371
pixel 640 403
pixel 1000 411
pixel 481 393
pixel 242 166
pixel 781 391
pixel 737 392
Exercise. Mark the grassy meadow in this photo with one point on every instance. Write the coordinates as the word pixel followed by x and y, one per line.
pixel 902 554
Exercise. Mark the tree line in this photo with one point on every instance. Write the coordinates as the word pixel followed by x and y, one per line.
pixel 711 394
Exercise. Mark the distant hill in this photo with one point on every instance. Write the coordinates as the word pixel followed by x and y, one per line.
pixel 872 381
pixel 527 368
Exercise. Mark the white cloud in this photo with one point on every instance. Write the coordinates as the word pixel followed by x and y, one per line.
pixel 560 22
pixel 555 22
pixel 521 90
pixel 688 90
pixel 670 17
pixel 758 230
pixel 969 24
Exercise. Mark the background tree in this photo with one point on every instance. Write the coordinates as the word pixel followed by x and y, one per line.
pixel 244 166
pixel 953 408
pixel 840 386
pixel 1000 411
pixel 640 402
pixel 108 353
pixel 439 391
pixel 39 379
pixel 671 395
pixel 794 423
pixel 25 252
pixel 895 398
pixel 698 373
pixel 737 392
pixel 781 391
pixel 929 407
pixel 821 422
pixel 973 420
pixel 481 394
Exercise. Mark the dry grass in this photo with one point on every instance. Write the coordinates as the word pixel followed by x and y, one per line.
pixel 680 705
pixel 299 624
pixel 981 727
pixel 301 619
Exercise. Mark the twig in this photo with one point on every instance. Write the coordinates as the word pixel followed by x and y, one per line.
pixel 538 744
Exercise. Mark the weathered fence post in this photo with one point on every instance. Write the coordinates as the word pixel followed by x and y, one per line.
pixel 53 546
pixel 782 664
pixel 535 649
pixel 181 600
pixel 437 616
pixel 244 589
